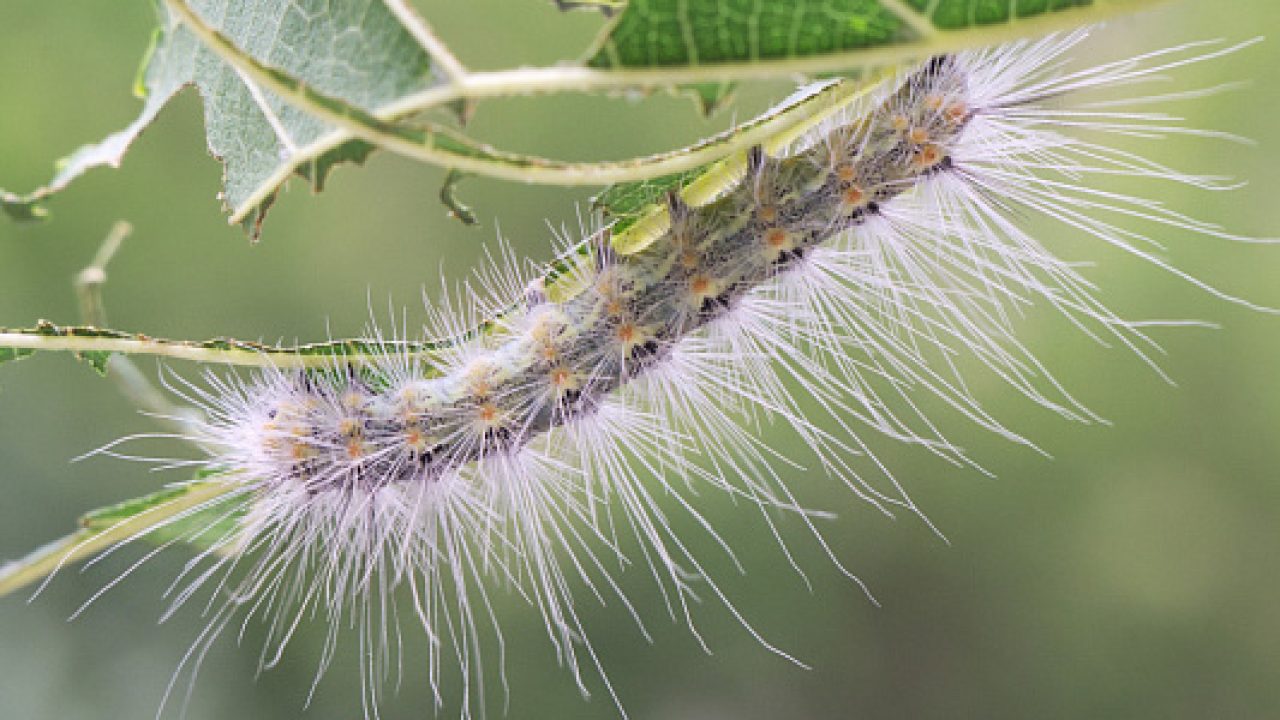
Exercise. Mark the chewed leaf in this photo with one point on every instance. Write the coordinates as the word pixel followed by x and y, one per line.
pixel 203 512
pixel 690 33
pixel 352 49
pixel 96 345
pixel 293 88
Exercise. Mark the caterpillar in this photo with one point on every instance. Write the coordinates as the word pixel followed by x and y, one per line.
pixel 829 288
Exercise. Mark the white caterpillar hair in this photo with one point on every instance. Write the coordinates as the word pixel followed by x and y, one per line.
pixel 835 288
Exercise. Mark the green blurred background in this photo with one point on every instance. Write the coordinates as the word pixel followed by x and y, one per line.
pixel 1134 575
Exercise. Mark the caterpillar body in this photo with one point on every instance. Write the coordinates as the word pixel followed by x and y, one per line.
pixel 565 358
pixel 843 274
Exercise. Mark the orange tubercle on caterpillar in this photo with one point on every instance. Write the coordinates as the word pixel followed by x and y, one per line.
pixel 355 449
pixel 853 197
pixel 627 333
pixel 700 285
pixel 929 157
pixel 416 439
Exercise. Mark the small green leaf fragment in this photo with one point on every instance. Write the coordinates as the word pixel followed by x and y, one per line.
pixel 710 97
pixel 140 79
pixel 449 196
pixel 7 354
pixel 97 359
pixel 23 208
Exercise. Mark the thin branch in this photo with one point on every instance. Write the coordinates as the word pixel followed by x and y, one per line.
pixel 440 53
pixel 483 85
pixel 227 352
pixel 132 382
pixel 820 101
pixel 916 20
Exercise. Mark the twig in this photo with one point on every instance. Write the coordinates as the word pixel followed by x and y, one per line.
pixel 131 381
pixel 440 53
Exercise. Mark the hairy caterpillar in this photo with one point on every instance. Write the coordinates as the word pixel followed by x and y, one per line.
pixel 846 266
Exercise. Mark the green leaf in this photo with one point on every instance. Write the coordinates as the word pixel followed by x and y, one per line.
pixel 203 513
pixel 654 33
pixel 689 33
pixel 352 49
